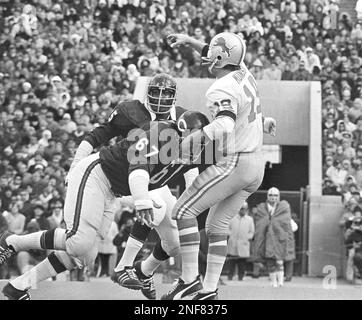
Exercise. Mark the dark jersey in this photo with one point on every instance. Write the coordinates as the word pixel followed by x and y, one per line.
pixel 152 148
pixel 125 117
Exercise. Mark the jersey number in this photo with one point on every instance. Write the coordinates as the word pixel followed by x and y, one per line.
pixel 255 106
pixel 142 143
pixel 160 175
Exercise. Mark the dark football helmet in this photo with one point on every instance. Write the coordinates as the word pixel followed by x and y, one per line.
pixel 192 120
pixel 161 93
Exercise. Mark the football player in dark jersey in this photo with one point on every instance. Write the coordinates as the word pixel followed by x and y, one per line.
pixel 127 116
pixel 135 166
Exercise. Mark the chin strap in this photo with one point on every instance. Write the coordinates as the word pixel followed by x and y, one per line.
pixel 207 61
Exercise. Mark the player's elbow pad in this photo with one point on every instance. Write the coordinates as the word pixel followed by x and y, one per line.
pixel 138 181
pixel 83 151
pixel 221 125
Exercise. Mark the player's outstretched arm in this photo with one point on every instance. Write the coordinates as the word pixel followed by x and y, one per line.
pixel 138 181
pixel 179 39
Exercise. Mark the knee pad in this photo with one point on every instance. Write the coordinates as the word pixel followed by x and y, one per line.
pixel 172 248
pixel 80 247
pixel 86 260
pixel 69 262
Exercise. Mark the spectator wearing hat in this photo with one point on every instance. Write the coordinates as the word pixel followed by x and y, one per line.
pixel 270 11
pixel 257 69
pixel 356 32
pixel 329 188
pixel 329 122
pixel 339 155
pixel 155 9
pixel 341 128
pixel 241 231
pixel 273 223
pixel 346 165
pixel 337 174
pixel 288 6
pixel 67 124
pixel 311 60
pixel 328 162
pixel 348 150
pixel 273 72
pixel 349 189
pixel 302 74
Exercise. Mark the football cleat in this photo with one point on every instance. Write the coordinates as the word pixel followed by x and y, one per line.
pixel 127 278
pixel 6 251
pixel 12 293
pixel 213 295
pixel 182 289
pixel 148 290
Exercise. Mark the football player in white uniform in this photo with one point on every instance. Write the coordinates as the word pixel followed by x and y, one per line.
pixel 234 102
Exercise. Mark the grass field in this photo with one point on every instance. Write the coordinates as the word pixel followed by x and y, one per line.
pixel 248 289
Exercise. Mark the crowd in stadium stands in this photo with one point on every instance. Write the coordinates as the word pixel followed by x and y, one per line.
pixel 64 64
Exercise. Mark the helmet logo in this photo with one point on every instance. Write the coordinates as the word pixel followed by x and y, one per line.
pixel 221 42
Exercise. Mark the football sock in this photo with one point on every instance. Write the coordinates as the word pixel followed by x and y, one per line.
pixel 149 266
pixel 189 248
pixel 215 261
pixel 134 244
pixel 49 267
pixel 273 279
pixel 51 239
pixel 280 273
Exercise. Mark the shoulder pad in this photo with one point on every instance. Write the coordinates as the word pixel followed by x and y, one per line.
pixel 135 111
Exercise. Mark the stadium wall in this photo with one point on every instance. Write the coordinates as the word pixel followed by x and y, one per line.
pixel 297 108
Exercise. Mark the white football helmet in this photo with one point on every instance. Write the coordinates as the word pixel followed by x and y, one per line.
pixel 225 48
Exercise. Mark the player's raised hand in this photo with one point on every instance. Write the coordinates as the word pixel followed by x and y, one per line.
pixel 270 126
pixel 178 39
pixel 145 215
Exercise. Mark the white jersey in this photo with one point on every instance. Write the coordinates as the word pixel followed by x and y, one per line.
pixel 236 95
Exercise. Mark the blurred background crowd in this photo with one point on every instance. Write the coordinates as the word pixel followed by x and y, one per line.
pixel 64 64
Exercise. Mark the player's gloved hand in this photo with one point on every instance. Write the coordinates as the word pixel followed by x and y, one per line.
pixel 144 211
pixel 270 126
pixel 178 39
